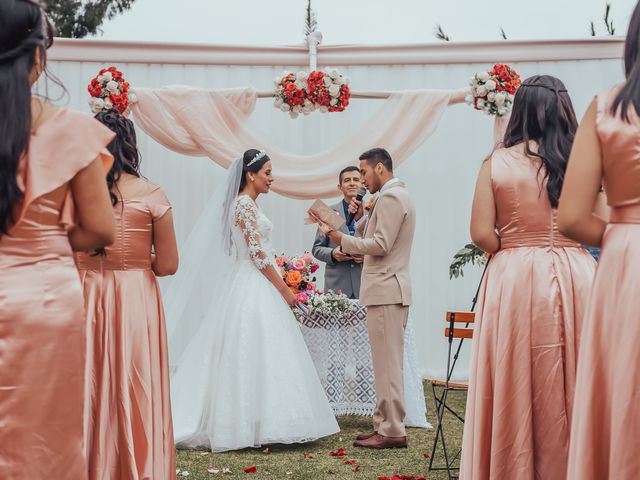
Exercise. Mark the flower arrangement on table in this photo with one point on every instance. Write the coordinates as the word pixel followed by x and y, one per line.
pixel 302 92
pixel 492 92
pixel 468 254
pixel 297 272
pixel 109 90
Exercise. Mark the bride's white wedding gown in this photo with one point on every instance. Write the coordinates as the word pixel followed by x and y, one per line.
pixel 247 379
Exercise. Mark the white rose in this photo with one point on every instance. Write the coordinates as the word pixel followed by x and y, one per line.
pixel 343 80
pixel 276 80
pixel 333 102
pixel 301 76
pixel 300 84
pixel 285 107
pixel 308 103
pixel 480 103
pixel 107 104
pixel 483 76
pixel 334 90
pixel 335 73
pixel 492 96
pixel 490 85
pixel 481 91
pixel 101 79
pixel 293 114
pixel 323 109
pixel 500 99
pixel 502 111
pixel 327 80
pixel 113 86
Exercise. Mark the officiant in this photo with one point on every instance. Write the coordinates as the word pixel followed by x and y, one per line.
pixel 342 272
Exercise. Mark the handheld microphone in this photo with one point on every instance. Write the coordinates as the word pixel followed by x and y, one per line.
pixel 359 196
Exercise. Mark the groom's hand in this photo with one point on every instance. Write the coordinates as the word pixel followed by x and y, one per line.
pixel 355 208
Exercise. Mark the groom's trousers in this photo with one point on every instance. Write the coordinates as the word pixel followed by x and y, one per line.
pixel 386 324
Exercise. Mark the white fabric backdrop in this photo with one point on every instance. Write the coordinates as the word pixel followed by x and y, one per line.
pixel 440 175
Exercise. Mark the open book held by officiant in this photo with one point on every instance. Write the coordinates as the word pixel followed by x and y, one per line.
pixel 326 218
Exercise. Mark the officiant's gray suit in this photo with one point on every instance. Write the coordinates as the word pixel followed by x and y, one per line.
pixel 338 276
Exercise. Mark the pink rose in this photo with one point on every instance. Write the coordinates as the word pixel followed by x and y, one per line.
pixel 311 286
pixel 307 258
pixel 314 268
pixel 299 265
pixel 281 260
pixel 302 297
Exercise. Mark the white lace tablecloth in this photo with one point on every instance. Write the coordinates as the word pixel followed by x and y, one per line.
pixel 342 355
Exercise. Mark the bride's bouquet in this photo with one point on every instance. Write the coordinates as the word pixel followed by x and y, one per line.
pixel 297 273
pixel 492 92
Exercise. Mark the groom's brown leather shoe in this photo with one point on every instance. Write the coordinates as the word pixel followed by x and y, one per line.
pixel 380 441
pixel 364 436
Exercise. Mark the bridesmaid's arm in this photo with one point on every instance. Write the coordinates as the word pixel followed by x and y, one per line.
pixel 95 226
pixel 483 212
pixel 165 260
pixel 576 216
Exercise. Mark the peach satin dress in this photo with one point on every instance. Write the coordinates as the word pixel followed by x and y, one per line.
pixel 130 428
pixel 530 311
pixel 606 423
pixel 42 322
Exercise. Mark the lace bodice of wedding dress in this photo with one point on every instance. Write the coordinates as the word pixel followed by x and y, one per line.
pixel 251 233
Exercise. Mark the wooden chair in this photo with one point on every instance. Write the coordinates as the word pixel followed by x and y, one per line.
pixel 442 387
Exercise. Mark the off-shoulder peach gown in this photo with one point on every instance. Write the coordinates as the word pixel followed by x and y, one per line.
pixel 606 424
pixel 130 428
pixel 530 312
pixel 42 322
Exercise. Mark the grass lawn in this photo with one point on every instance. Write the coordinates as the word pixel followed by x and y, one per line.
pixel 288 461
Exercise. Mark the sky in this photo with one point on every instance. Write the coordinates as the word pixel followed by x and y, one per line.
pixel 281 22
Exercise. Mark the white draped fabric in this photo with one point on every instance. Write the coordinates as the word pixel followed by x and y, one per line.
pixel 214 123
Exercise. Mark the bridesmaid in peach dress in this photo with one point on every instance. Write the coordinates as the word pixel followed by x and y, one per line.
pixel 130 428
pixel 532 300
pixel 51 165
pixel 606 422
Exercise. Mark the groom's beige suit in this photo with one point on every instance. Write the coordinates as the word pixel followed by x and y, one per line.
pixel 386 291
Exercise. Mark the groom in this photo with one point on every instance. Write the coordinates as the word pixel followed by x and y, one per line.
pixel 385 291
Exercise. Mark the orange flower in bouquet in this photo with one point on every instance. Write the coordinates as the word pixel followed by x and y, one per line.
pixel 293 278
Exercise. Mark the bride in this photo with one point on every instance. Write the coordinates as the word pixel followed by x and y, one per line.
pixel 241 372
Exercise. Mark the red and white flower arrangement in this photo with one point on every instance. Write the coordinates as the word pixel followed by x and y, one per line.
pixel 492 92
pixel 303 93
pixel 109 90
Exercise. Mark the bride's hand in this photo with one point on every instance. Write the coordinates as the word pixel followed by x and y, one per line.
pixel 290 298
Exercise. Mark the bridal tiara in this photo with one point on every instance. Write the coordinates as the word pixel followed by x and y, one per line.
pixel 258 156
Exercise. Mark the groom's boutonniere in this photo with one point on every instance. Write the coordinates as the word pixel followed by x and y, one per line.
pixel 369 203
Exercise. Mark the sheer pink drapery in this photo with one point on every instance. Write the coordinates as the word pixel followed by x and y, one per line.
pixel 213 123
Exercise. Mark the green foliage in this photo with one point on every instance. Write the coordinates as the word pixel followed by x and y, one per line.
pixel 440 35
pixel 77 19
pixel 310 20
pixel 503 34
pixel 469 253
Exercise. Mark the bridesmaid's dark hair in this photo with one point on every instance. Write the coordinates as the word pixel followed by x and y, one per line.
pixel 543 113
pixel 248 156
pixel 24 32
pixel 630 92
pixel 124 148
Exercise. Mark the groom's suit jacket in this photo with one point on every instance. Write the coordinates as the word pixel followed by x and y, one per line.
pixel 386 242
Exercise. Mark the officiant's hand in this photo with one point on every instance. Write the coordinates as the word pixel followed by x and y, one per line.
pixel 355 207
pixel 335 236
pixel 339 256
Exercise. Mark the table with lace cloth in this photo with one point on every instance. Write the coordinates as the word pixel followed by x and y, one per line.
pixel 341 352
